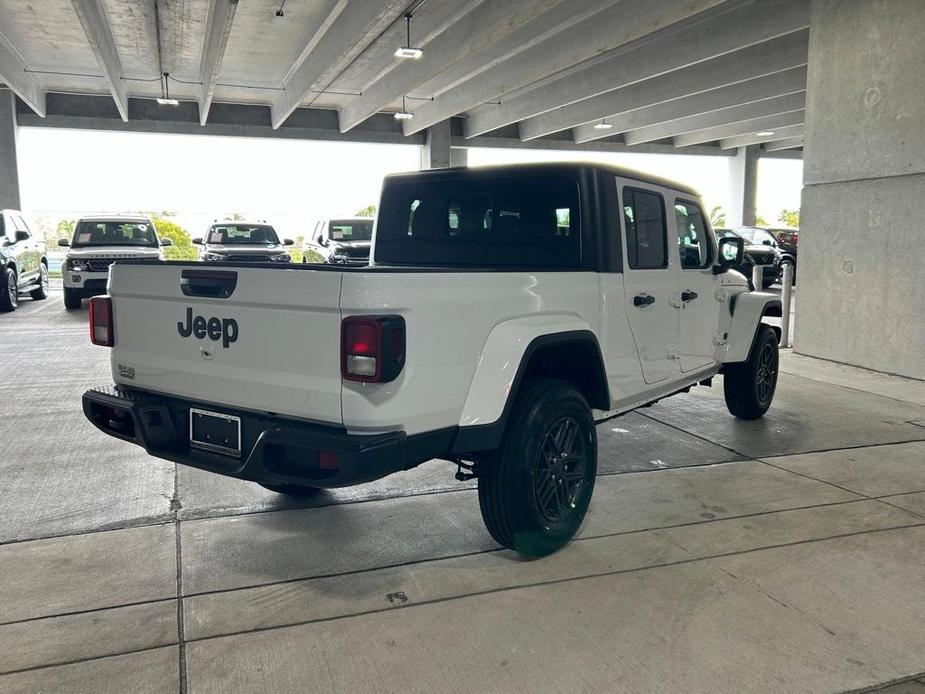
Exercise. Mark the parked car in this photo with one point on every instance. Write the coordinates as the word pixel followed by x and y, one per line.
pixel 23 265
pixel 505 311
pixel 755 254
pixel 96 244
pixel 243 242
pixel 784 240
pixel 341 241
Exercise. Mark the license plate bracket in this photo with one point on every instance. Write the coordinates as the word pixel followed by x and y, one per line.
pixel 216 432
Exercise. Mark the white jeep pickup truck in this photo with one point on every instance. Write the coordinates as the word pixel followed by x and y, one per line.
pixel 506 311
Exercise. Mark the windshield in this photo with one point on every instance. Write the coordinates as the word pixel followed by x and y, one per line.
pixel 242 234
pixel 351 229
pixel 114 234
pixel 757 236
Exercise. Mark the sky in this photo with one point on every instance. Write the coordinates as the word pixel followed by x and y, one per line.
pixel 290 183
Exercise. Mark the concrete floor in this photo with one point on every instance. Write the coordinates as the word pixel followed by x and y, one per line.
pixel 718 556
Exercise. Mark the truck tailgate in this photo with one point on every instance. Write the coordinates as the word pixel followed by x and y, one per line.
pixel 271 344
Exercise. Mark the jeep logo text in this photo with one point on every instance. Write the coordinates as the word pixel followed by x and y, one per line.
pixel 224 329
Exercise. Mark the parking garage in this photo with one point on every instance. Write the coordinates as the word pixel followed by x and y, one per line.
pixel 781 554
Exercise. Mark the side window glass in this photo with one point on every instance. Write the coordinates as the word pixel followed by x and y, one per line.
pixel 646 237
pixel 693 246
pixel 20 225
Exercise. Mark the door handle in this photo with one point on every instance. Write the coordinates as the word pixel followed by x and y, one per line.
pixel 688 295
pixel 643 300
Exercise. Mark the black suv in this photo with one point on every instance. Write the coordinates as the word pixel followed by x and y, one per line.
pixel 23 265
pixel 755 254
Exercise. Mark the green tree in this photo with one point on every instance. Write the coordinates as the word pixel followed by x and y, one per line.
pixel 717 216
pixel 368 211
pixel 65 228
pixel 761 221
pixel 790 217
pixel 182 248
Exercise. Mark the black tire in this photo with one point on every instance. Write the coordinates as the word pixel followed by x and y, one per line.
pixel 535 489
pixel 41 290
pixel 9 291
pixel 749 387
pixel 291 489
pixel 72 298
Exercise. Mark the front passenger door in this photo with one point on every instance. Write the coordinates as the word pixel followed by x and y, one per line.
pixel 699 306
pixel 649 282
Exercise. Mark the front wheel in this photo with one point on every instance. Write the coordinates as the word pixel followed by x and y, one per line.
pixel 9 291
pixel 749 387
pixel 72 298
pixel 41 290
pixel 535 489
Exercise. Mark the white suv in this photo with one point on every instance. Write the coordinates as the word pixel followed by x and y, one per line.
pixel 97 243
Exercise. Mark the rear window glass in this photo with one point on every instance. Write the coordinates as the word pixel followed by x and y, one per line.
pixel 351 229
pixel 114 234
pixel 503 222
pixel 242 233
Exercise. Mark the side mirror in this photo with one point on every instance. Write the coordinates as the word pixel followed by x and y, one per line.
pixel 288 242
pixel 64 243
pixel 166 242
pixel 197 241
pixel 731 250
pixel 767 242
pixel 22 235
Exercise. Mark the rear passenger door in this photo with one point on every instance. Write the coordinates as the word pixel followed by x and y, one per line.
pixel 699 308
pixel 649 281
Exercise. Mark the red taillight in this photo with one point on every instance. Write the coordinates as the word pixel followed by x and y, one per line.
pixel 101 327
pixel 372 348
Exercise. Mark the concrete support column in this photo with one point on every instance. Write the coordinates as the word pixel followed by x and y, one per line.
pixel 861 278
pixel 435 152
pixel 459 156
pixel 9 174
pixel 743 187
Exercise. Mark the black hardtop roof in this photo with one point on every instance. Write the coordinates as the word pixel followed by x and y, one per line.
pixel 538 169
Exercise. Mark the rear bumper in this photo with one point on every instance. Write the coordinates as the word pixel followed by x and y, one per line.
pixel 273 450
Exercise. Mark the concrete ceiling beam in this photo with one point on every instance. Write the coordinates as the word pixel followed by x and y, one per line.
pixel 613 26
pixel 215 40
pixel 349 29
pixel 769 59
pixel 747 127
pixel 471 42
pixel 13 73
pixel 780 145
pixel 729 28
pixel 96 26
pixel 640 120
pixel 781 133
pixel 721 117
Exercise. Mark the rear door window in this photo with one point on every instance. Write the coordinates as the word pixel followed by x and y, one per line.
pixel 503 222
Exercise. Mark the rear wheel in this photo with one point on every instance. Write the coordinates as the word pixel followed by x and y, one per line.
pixel 41 290
pixel 9 292
pixel 535 489
pixel 749 387
pixel 291 489
pixel 72 298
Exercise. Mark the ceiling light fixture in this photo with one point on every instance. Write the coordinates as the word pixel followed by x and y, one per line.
pixel 165 99
pixel 404 114
pixel 764 133
pixel 603 125
pixel 408 51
